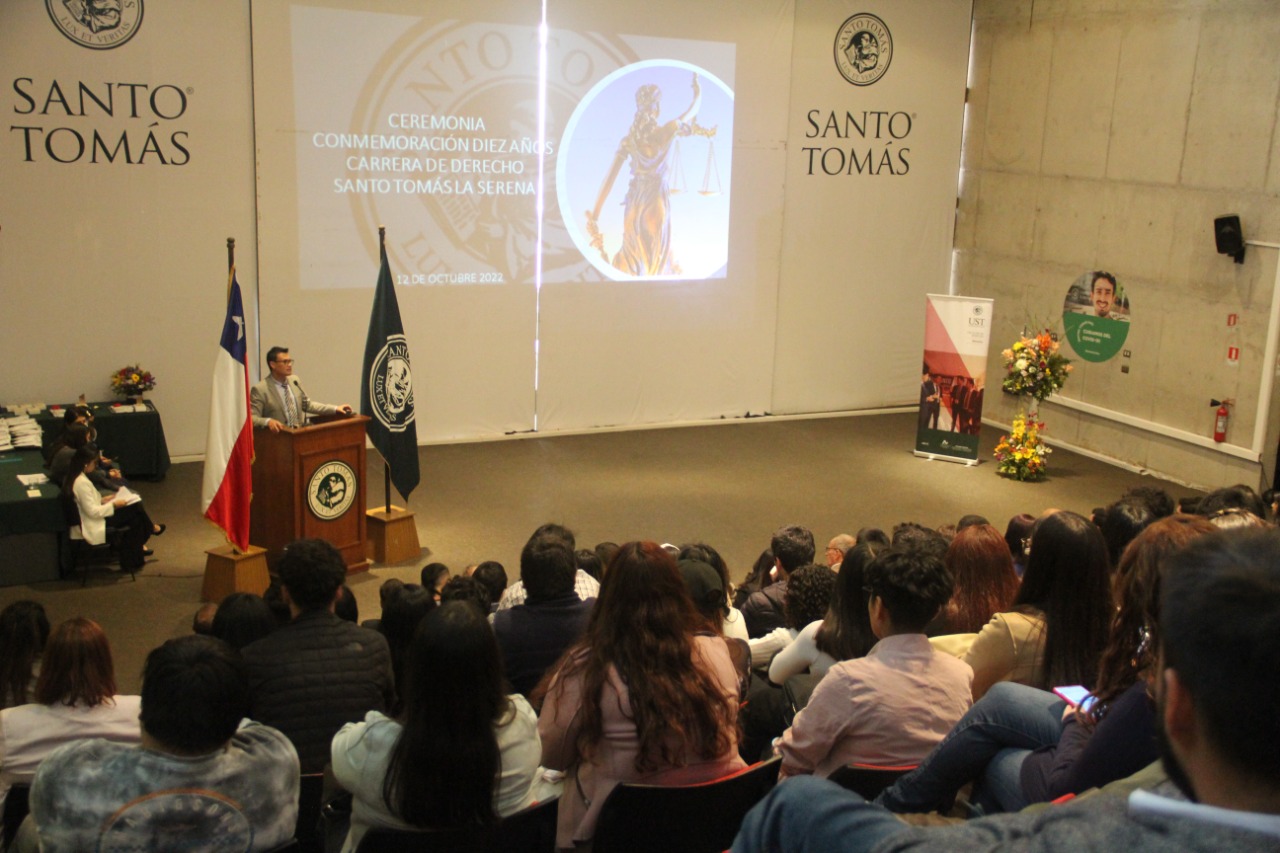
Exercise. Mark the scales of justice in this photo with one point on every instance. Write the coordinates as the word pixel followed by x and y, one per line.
pixel 657 173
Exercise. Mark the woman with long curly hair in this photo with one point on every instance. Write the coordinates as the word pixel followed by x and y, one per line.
pixel 640 698
pixel 1054 632
pixel 1024 745
pixel 75 697
pixel 986 583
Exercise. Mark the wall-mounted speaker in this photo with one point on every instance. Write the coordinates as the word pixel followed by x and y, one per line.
pixel 1229 237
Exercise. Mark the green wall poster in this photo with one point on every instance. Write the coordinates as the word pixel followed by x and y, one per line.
pixel 1095 316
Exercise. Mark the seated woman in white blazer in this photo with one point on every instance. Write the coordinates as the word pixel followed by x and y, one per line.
pixel 95 509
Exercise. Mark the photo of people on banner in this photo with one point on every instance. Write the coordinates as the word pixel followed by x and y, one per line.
pixel 953 376
pixel 1095 316
pixel 950 403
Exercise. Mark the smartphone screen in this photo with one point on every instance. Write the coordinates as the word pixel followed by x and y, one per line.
pixel 1076 695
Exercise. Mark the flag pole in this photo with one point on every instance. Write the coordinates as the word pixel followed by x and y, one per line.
pixel 231 262
pixel 386 466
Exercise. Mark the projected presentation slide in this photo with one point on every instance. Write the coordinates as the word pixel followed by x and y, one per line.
pixel 432 128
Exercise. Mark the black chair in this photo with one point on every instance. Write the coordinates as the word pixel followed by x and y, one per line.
pixel 701 818
pixel 531 830
pixel 310 800
pixel 83 556
pixel 868 780
pixel 15 809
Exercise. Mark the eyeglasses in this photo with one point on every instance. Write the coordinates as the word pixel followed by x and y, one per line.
pixel 284 361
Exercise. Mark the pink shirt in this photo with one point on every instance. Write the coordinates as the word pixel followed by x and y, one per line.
pixel 888 708
pixel 588 784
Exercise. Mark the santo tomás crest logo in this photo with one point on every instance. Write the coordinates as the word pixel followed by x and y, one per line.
pixel 863 49
pixel 332 490
pixel 96 24
pixel 391 385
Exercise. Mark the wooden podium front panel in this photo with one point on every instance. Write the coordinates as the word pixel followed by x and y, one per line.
pixel 293 498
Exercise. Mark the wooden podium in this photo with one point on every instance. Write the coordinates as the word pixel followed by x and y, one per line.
pixel 308 483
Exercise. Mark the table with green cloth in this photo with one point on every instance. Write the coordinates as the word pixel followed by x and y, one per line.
pixel 134 440
pixel 30 527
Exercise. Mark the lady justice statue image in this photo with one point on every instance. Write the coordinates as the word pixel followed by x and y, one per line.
pixel 646 223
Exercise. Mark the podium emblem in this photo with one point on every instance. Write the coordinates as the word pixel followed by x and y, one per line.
pixel 332 490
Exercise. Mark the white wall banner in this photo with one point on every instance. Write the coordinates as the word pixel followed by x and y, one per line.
pixel 873 147
pixel 957 331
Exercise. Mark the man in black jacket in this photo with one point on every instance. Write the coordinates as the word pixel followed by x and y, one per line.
pixel 533 635
pixel 792 548
pixel 318 672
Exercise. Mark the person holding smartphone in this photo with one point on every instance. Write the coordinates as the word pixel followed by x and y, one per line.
pixel 1021 745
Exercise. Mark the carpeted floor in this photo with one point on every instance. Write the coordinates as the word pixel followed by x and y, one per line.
pixel 729 485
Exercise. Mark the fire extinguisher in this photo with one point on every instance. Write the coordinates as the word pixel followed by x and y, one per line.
pixel 1220 420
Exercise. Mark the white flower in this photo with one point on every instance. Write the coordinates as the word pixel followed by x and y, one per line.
pixel 1021 364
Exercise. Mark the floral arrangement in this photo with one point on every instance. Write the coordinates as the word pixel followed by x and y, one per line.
pixel 1034 367
pixel 131 381
pixel 1021 454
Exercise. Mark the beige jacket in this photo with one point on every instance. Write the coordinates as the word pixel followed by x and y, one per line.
pixel 1008 648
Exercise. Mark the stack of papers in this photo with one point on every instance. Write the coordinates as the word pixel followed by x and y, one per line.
pixel 24 432
pixel 6 443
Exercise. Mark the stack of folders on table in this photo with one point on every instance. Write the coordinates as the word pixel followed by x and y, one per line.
pixel 23 432
pixel 6 443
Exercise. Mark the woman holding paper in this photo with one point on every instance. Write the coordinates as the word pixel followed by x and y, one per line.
pixel 95 509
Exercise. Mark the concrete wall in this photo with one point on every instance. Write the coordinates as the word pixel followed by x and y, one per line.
pixel 1107 134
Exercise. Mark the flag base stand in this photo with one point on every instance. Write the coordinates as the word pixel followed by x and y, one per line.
pixel 226 571
pixel 393 536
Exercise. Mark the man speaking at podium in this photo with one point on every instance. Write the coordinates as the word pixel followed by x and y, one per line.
pixel 278 402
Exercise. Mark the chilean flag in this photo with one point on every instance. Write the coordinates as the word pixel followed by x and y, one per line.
pixel 228 454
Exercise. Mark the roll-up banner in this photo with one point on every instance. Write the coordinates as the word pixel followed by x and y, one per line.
pixel 953 377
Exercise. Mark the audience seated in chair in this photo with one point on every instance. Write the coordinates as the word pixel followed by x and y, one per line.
pixel 494 577
pixel 461 752
pixel 810 591
pixel 404 611
pixel 613 702
pixel 242 618
pixel 310 677
pixel 200 781
pixel 533 635
pixel 24 630
pixel 583 584
pixel 985 582
pixel 843 632
pixel 75 697
pixel 1218 703
pixel 893 705
pixel 734 623
pixel 1057 626
pixel 1022 745
pixel 792 547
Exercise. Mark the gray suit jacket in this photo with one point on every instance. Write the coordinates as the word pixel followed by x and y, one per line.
pixel 264 402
